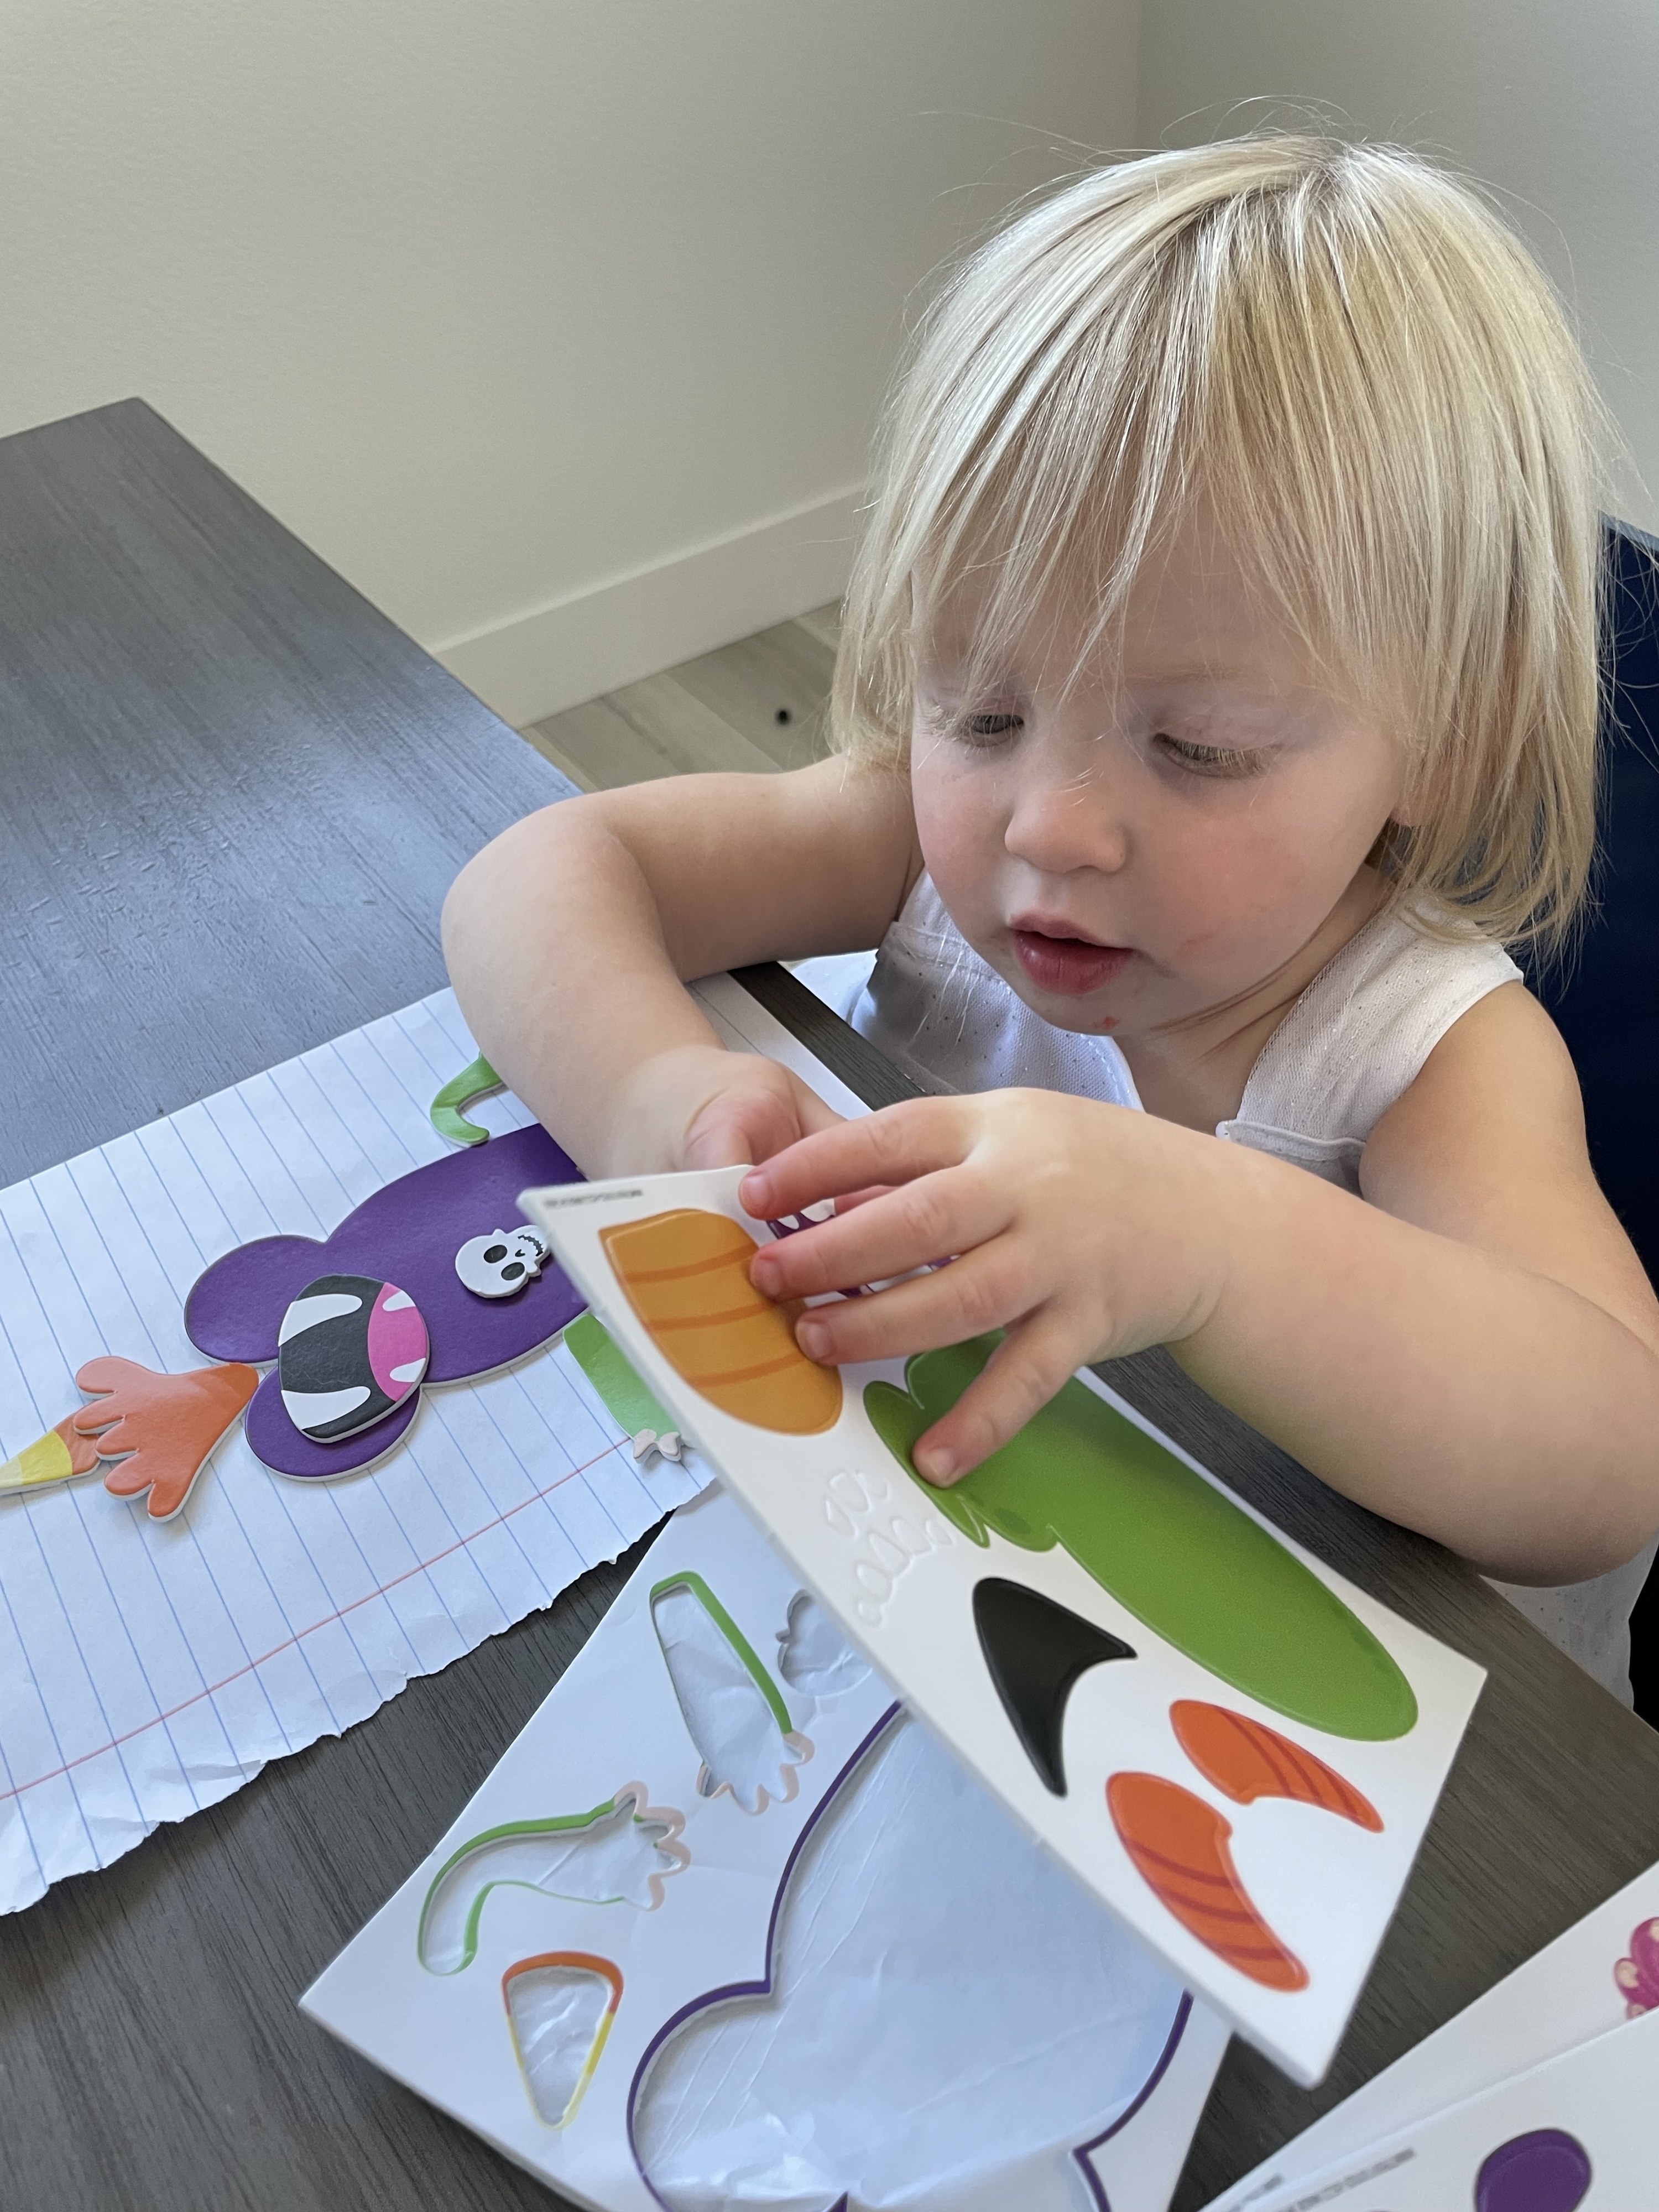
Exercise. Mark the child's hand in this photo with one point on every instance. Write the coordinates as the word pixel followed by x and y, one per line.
pixel 700 1106
pixel 1085 1230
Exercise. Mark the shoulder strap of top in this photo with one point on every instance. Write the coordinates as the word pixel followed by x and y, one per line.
pixel 1359 1034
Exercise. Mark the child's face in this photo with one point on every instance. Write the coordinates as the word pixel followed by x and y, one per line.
pixel 1161 837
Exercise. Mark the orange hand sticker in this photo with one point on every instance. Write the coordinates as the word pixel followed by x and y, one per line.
pixel 159 1429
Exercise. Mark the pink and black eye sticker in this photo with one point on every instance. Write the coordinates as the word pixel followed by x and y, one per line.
pixel 349 1351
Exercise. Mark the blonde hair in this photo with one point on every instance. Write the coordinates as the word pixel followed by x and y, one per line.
pixel 1376 393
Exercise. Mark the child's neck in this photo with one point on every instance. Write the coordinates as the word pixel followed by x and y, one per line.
pixel 1194 1072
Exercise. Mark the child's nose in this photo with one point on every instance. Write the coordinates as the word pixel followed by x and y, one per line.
pixel 1058 827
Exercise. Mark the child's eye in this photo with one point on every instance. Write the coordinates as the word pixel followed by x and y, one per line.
pixel 1209 760
pixel 986 729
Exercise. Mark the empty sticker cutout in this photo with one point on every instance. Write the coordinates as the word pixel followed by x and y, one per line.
pixel 560 2007
pixel 159 1429
pixel 941 2005
pixel 1168 1545
pixel 1179 1847
pixel 1547 2171
pixel 1034 1651
pixel 733 1713
pixel 1246 1759
pixel 813 1655
pixel 686 1274
pixel 630 1405
pixel 620 1853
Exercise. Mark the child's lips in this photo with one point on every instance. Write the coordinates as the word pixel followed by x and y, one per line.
pixel 1073 965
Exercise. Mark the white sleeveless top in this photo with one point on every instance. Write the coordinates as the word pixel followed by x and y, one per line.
pixel 1353 1041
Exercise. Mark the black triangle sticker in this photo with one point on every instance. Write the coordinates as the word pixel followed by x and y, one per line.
pixel 1035 1651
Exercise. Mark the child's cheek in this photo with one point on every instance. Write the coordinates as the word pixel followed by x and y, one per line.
pixel 961 821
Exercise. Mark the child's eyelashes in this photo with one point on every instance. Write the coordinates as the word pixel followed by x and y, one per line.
pixel 1210 760
pixel 983 729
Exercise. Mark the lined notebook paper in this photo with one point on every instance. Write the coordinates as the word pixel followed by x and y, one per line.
pixel 150 1668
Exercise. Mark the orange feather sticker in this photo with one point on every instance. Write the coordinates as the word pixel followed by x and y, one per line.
pixel 1179 1847
pixel 1245 1760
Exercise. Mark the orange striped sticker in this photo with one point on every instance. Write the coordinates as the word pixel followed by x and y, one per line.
pixel 1179 1847
pixel 686 1274
pixel 1246 1760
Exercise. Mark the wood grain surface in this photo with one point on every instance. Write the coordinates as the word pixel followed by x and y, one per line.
pixel 234 794
pixel 192 696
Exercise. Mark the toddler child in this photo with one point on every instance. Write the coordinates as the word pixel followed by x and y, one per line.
pixel 1215 701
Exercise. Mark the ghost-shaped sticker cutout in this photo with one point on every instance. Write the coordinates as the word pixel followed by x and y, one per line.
pixel 813 1656
pixel 502 1264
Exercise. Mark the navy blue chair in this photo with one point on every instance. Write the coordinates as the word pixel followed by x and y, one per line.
pixel 1606 998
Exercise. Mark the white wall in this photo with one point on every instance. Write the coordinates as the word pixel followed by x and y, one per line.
pixel 558 327
pixel 1554 102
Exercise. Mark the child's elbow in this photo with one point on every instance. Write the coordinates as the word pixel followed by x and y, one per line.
pixel 1595 1543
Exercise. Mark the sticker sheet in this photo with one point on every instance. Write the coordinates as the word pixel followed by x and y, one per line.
pixel 1234 1748
pixel 1574 2135
pixel 1602 1972
pixel 726 1927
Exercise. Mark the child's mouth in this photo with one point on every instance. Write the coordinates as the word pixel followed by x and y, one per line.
pixel 1072 964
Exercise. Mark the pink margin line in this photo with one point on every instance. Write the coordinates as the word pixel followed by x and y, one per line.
pixel 288 1642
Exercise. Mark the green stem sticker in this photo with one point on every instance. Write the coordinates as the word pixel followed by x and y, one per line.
pixel 1171 1548
pixel 625 1397
pixel 447 1111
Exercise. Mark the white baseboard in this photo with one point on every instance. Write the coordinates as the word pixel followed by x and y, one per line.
pixel 633 625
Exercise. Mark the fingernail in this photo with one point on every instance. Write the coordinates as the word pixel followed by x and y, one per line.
pixel 937 1466
pixel 814 1339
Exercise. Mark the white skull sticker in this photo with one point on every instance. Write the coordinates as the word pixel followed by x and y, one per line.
pixel 500 1265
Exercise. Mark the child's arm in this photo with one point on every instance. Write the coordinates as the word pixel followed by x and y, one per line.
pixel 1475 1353
pixel 569 937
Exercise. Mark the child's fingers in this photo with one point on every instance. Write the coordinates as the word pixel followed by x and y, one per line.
pixel 988 1289
pixel 892 1146
pixel 815 1116
pixel 1028 1368
pixel 719 1141
pixel 849 1198
pixel 929 1219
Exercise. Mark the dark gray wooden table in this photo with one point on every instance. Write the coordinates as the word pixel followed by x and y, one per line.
pixel 233 795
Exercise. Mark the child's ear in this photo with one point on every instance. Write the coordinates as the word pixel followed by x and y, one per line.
pixel 1415 804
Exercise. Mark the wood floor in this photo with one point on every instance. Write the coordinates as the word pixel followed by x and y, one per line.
pixel 759 704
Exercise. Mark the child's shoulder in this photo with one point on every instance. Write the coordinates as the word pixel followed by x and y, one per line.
pixel 1362 1031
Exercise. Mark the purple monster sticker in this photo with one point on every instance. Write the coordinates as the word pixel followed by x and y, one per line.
pixel 406 1234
